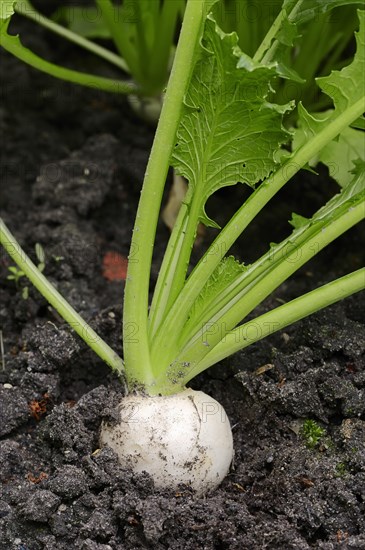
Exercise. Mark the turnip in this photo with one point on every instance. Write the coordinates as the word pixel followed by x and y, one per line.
pixel 178 439
pixel 217 128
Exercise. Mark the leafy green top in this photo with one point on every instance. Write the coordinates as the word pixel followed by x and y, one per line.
pixel 294 17
pixel 345 87
pixel 229 132
pixel 308 9
pixel 348 85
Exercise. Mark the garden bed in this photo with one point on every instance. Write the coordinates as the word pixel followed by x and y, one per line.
pixel 72 166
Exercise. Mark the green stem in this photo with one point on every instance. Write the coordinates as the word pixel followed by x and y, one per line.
pixel 176 277
pixel 13 45
pixel 26 9
pixel 266 43
pixel 194 209
pixel 269 55
pixel 244 282
pixel 137 354
pixel 279 318
pixel 176 318
pixel 143 52
pixel 80 326
pixel 120 36
pixel 164 39
pixel 209 335
pixel 167 271
pixel 170 284
pixel 289 254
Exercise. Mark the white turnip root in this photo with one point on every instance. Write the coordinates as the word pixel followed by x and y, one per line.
pixel 178 439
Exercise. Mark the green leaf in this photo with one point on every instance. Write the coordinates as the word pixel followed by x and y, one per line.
pixel 221 278
pixel 15 270
pixel 39 251
pixel 229 132
pixel 359 123
pixel 357 183
pixel 309 9
pixel 296 15
pixel 288 32
pixel 309 125
pixel 284 71
pixel 340 154
pixel 348 85
pixel 355 189
pixel 359 169
pixel 298 221
pixel 345 87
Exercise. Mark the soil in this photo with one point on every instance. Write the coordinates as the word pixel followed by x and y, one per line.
pixel 72 165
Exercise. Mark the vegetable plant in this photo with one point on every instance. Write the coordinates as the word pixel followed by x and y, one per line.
pixel 142 34
pixel 16 274
pixel 220 126
pixel 328 37
pixel 312 433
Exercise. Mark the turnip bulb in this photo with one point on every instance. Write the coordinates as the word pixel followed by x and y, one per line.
pixel 178 439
